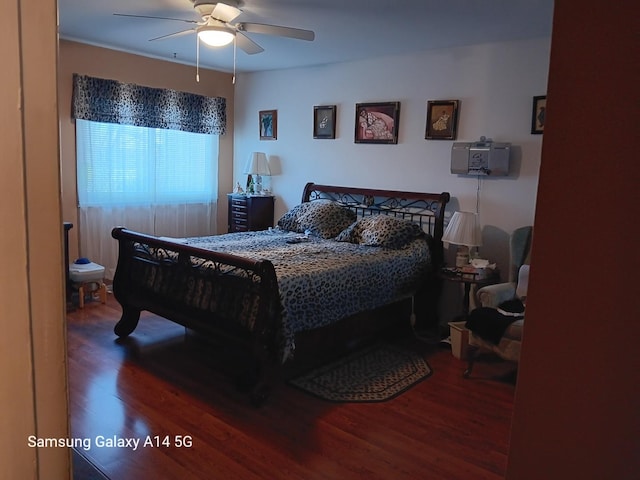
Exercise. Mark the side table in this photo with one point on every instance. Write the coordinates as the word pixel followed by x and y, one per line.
pixel 468 279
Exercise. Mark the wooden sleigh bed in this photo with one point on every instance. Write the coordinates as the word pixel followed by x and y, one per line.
pixel 220 287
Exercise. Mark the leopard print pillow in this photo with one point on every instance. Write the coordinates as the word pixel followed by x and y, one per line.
pixel 322 218
pixel 289 221
pixel 381 231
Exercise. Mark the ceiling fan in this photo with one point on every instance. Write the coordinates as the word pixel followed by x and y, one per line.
pixel 216 28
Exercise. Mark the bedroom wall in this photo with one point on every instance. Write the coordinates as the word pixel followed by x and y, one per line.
pixel 495 84
pixel 100 62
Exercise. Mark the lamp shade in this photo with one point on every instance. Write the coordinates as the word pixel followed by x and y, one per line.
pixel 463 229
pixel 257 164
pixel 215 35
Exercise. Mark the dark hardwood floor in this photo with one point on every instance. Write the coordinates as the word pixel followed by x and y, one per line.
pixel 163 387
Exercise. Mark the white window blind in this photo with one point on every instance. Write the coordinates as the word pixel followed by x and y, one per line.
pixel 121 165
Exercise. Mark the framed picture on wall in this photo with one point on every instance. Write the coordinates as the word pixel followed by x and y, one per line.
pixel 538 113
pixel 324 121
pixel 377 122
pixel 268 124
pixel 442 119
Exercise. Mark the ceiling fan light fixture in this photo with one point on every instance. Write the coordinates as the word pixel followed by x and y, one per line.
pixel 216 36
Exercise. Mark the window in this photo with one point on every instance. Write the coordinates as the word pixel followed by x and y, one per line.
pixel 121 165
pixel 155 177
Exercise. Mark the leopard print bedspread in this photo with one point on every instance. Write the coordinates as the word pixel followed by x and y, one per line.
pixel 321 281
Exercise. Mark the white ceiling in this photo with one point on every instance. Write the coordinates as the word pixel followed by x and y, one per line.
pixel 345 29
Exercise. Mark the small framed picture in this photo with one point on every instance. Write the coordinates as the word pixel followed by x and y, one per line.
pixel 377 122
pixel 268 124
pixel 538 113
pixel 324 121
pixel 442 119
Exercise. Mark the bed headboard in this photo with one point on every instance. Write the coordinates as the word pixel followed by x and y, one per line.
pixel 426 209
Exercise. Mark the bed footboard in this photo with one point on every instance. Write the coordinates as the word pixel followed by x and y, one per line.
pixel 213 293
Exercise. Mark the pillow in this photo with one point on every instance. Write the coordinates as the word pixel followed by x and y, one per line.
pixel 289 221
pixel 323 218
pixel 381 231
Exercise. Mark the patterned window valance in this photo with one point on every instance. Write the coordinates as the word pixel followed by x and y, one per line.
pixel 110 101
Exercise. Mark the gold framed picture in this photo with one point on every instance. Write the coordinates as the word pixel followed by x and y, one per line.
pixel 442 120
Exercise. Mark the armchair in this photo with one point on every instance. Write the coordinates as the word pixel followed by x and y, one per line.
pixel 492 296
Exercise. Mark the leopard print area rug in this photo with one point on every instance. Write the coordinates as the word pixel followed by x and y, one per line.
pixel 375 374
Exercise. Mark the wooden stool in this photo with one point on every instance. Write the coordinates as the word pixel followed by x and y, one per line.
pixel 88 278
pixel 92 287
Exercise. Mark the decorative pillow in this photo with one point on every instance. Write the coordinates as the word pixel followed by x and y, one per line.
pixel 289 221
pixel 381 231
pixel 323 218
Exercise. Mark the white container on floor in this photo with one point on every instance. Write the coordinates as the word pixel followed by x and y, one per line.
pixel 459 339
pixel 86 272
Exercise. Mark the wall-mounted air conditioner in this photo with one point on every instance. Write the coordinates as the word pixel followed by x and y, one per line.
pixel 484 157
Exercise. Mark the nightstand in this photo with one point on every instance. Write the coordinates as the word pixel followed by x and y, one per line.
pixel 468 279
pixel 249 212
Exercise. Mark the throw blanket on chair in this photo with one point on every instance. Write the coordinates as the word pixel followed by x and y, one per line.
pixel 491 323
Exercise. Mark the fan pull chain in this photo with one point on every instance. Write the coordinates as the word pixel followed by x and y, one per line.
pixel 478 195
pixel 197 58
pixel 235 45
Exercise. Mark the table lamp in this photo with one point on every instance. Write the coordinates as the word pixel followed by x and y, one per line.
pixel 259 166
pixel 463 230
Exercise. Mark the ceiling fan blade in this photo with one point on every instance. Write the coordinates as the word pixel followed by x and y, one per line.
pixel 171 35
pixel 247 45
pixel 155 18
pixel 276 30
pixel 226 13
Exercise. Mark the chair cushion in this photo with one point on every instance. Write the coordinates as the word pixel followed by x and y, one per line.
pixel 507 349
pixel 509 346
pixel 514 331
